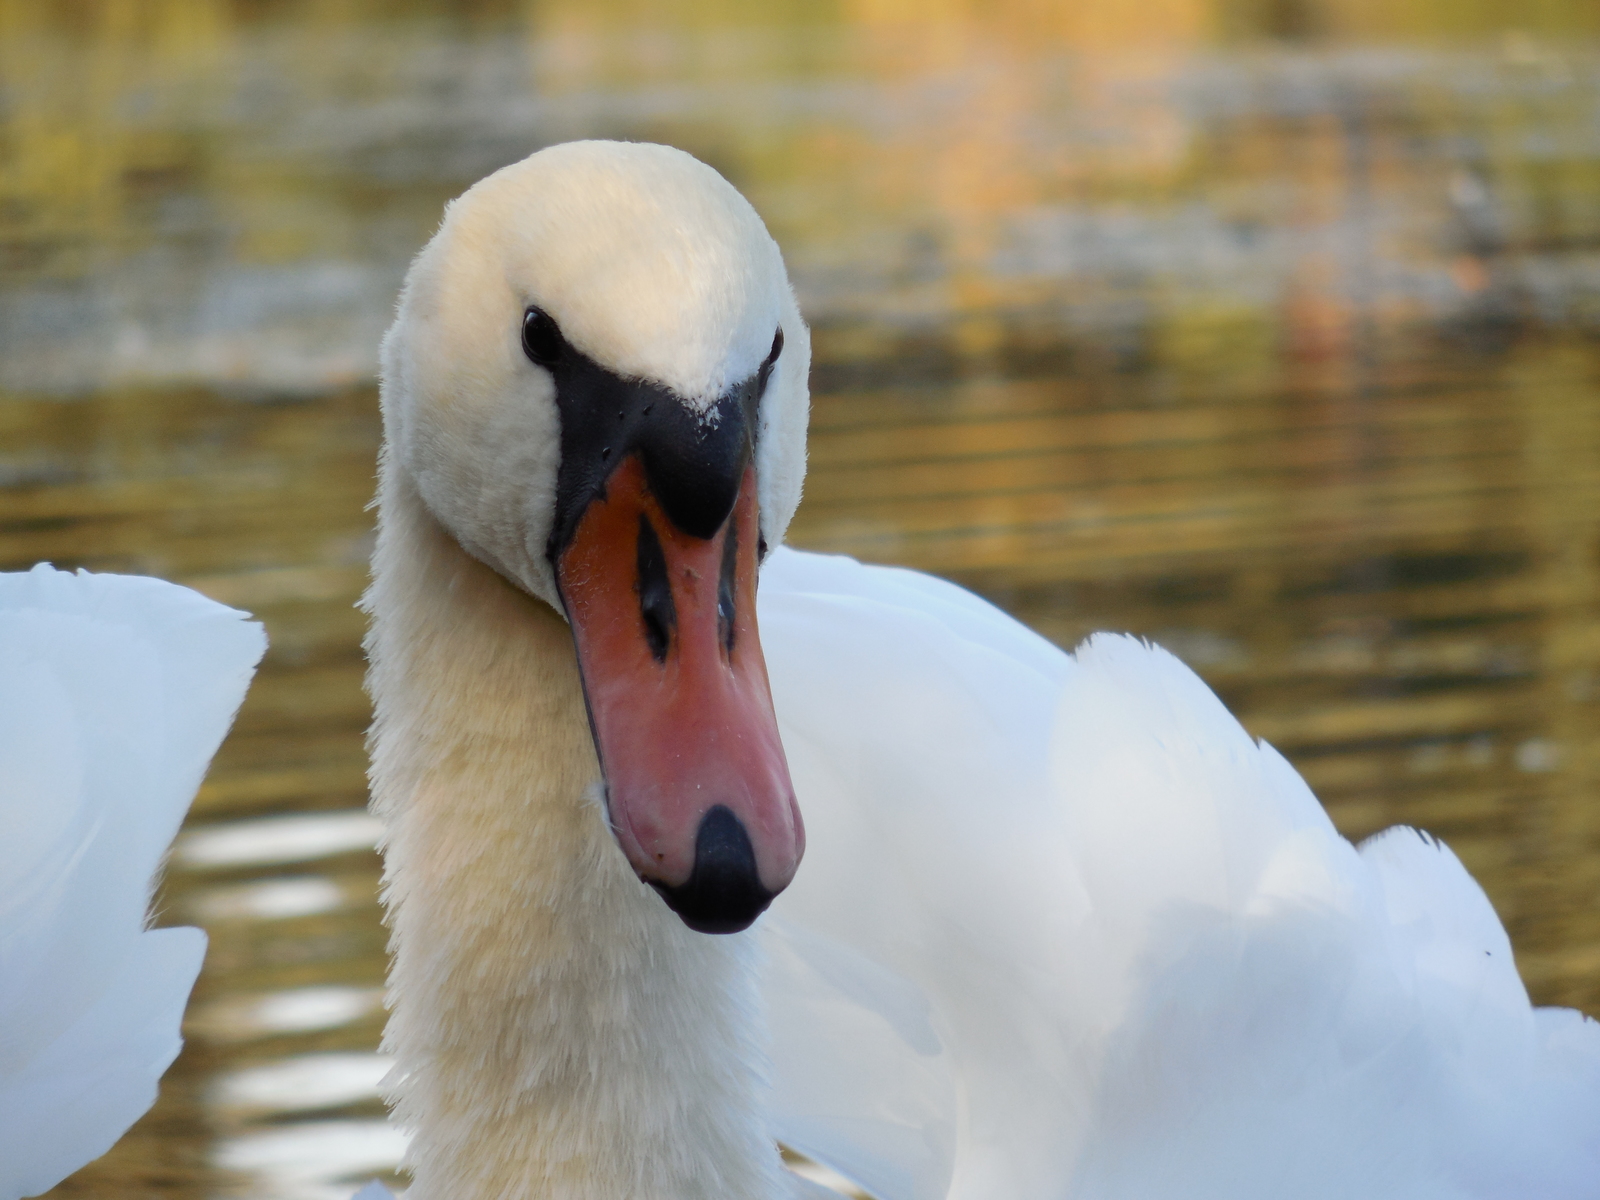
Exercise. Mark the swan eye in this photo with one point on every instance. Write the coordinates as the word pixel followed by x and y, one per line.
pixel 772 358
pixel 541 337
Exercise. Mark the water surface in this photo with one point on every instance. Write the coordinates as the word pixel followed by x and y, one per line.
pixel 1268 332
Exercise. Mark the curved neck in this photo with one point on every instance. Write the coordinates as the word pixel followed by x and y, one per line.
pixel 558 1032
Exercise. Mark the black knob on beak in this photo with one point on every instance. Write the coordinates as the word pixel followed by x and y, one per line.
pixel 723 894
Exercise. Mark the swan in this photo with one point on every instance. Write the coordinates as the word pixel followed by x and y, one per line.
pixel 1061 927
pixel 115 691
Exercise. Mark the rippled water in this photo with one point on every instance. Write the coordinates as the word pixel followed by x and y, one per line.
pixel 1283 353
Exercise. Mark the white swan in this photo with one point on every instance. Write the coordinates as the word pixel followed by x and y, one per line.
pixel 1062 929
pixel 115 691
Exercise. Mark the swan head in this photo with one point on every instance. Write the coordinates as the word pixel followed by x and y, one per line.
pixel 596 381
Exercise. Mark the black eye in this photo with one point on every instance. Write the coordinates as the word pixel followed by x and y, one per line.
pixel 541 337
pixel 772 358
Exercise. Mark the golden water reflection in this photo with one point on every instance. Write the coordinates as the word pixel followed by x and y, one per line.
pixel 1285 353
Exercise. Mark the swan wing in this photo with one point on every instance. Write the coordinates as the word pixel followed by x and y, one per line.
pixel 878 1103
pixel 1152 966
pixel 916 720
pixel 115 691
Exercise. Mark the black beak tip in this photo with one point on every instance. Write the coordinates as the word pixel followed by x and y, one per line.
pixel 723 893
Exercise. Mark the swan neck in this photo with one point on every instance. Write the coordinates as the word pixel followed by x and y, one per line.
pixel 557 1032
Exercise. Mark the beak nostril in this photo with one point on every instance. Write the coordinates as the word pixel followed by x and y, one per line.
pixel 727 591
pixel 656 607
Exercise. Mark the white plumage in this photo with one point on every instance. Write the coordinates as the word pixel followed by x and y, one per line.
pixel 115 691
pixel 1063 929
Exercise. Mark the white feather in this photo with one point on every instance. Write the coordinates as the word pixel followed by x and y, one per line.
pixel 1155 968
pixel 114 693
pixel 1063 929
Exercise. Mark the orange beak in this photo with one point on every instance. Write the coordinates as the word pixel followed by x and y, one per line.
pixel 697 786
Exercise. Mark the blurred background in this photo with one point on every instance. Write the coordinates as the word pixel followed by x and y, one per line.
pixel 1269 329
